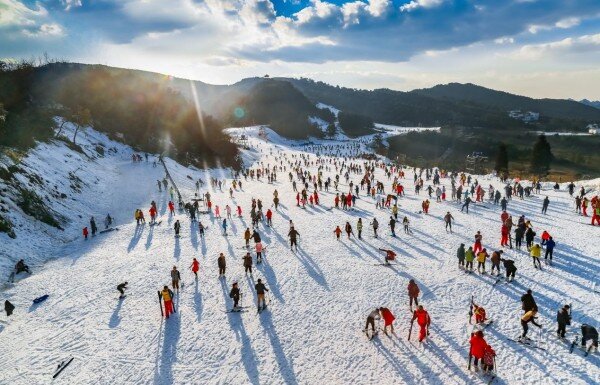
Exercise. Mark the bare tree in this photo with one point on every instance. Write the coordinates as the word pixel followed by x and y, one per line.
pixel 81 118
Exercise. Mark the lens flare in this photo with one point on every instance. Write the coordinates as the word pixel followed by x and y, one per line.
pixel 239 112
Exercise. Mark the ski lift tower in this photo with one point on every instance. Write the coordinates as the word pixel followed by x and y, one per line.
pixel 474 163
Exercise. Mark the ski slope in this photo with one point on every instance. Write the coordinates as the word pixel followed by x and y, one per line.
pixel 319 296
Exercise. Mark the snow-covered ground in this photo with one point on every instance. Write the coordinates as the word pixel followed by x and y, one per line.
pixel 319 296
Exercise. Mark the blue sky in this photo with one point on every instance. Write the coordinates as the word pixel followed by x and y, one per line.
pixel 540 48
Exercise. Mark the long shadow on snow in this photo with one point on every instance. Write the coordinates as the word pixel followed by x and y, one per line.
pixel 408 377
pixel 139 230
pixel 285 366
pixel 177 249
pixel 311 268
pixel 265 268
pixel 149 237
pixel 197 302
pixel 163 373
pixel 115 319
pixel 193 236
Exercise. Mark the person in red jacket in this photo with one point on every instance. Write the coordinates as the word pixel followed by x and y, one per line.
pixel 477 246
pixel 269 217
pixel 478 346
pixel 85 233
pixel 336 200
pixel 504 236
pixel 171 208
pixel 195 267
pixel 152 212
pixel 423 320
pixel 316 197
pixel 239 211
pixel 504 216
pixel 413 293
pixel 388 319
pixel 337 232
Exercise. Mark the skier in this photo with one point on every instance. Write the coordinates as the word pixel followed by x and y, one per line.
pixel 536 253
pixel 423 320
pixel 224 225
pixel 293 234
pixel 93 226
pixel 260 294
pixel 85 233
pixel 413 293
pixel 175 278
pixel 563 318
pixel 495 259
pixel 466 204
pixel 528 302
pixel 171 208
pixel 393 226
pixel 359 227
pixel 545 205
pixel 348 229
pixel 167 296
pixel 479 312
pixel 247 263
pixel 269 217
pixel 390 255
pixel 374 315
pixel 235 295
pixel 460 254
pixel 448 220
pixel 469 258
pixel 201 229
pixel 222 263
pixel 478 346
pixel 259 249
pixel 8 308
pixel 195 266
pixel 375 225
pixel 107 221
pixel 589 333
pixel 477 246
pixel 247 236
pixel 550 244
pixel 388 319
pixel 481 258
pixel 406 224
pixel 121 288
pixel 511 269
pixel 528 317
pixel 337 232
pixel 177 227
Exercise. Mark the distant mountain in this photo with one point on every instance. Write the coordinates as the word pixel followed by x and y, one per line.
pixel 591 103
pixel 554 108
pixel 276 103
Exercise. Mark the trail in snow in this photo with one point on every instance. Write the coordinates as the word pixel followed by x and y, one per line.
pixel 319 296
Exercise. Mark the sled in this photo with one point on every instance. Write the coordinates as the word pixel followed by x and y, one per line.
pixel 41 299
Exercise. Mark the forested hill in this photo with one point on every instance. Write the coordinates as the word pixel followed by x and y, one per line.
pixel 555 108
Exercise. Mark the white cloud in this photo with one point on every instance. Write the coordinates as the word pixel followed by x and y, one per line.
pixel 504 40
pixel 16 14
pixel 568 22
pixel 45 30
pixel 583 44
pixel 414 4
pixel 68 4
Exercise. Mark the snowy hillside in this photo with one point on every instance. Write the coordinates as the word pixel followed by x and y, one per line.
pixel 319 298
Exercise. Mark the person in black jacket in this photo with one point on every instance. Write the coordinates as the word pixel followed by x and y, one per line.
pixel 260 293
pixel 563 317
pixel 511 269
pixel 121 288
pixel 235 295
pixel 8 308
pixel 528 302
pixel 589 332
pixel 529 236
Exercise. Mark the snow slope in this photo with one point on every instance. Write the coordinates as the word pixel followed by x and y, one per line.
pixel 319 296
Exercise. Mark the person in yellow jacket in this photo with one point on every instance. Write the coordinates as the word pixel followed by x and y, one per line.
pixel 481 258
pixel 469 258
pixel 536 253
pixel 167 296
pixel 528 317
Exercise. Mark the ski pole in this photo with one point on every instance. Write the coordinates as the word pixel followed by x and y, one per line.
pixel 160 304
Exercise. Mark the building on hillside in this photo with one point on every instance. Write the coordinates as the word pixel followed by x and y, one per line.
pixel 527 117
pixel 594 129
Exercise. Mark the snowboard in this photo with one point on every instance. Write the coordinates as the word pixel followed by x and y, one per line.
pixel 108 230
pixel 61 367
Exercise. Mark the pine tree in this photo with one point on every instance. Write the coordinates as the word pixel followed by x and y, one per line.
pixel 501 165
pixel 541 156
